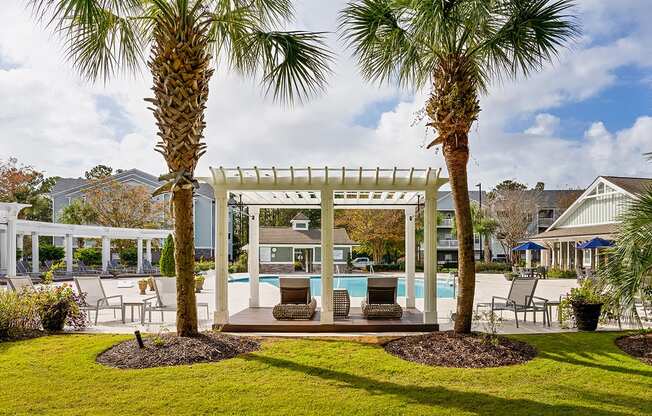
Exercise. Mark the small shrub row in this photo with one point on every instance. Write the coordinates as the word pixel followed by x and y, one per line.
pixel 555 273
pixel 240 265
pixel 204 265
pixel 91 256
pixel 492 267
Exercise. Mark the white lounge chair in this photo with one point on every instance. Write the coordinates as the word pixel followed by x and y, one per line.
pixel 166 298
pixel 95 298
pixel 20 283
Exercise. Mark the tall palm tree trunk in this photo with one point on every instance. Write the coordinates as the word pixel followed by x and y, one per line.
pixel 180 66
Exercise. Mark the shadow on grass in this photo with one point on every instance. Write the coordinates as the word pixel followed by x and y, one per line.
pixel 475 402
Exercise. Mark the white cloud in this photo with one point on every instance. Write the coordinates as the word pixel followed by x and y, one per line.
pixel 54 120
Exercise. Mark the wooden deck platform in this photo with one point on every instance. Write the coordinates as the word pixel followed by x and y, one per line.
pixel 261 320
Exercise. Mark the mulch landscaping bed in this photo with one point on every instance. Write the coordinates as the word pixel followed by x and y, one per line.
pixel 448 349
pixel 639 346
pixel 168 349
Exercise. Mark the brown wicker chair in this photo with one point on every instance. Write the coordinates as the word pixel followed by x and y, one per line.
pixel 381 299
pixel 296 302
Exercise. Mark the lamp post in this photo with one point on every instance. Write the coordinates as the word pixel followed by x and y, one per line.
pixel 479 185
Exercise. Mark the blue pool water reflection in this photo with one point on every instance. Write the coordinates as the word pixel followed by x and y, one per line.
pixel 357 285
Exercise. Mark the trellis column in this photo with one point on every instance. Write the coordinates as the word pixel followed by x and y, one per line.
pixel 68 253
pixel 106 253
pixel 3 249
pixel 19 244
pixel 148 251
pixel 568 255
pixel 10 247
pixel 430 258
pixel 327 222
pixel 409 257
pixel 35 253
pixel 139 256
pixel 221 316
pixel 252 257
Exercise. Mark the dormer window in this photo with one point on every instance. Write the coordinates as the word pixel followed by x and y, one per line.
pixel 300 222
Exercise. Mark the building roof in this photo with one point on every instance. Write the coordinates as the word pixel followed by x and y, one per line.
pixel 554 198
pixel 287 235
pixel 300 217
pixel 635 186
pixel 64 184
pixel 583 232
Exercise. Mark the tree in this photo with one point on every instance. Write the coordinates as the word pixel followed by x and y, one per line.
pixel 167 257
pixel 484 225
pixel 99 172
pixel 373 228
pixel 78 212
pixel 25 184
pixel 184 39
pixel 513 209
pixel 459 47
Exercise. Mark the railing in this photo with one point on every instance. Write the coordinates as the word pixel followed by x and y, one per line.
pixel 545 222
pixel 446 222
pixel 455 244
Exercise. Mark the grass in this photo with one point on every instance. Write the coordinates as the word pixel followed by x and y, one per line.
pixel 574 374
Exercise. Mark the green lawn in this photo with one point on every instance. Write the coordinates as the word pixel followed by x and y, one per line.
pixel 574 374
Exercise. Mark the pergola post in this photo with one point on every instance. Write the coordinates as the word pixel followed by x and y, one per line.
pixel 327 223
pixel 409 257
pixel 148 250
pixel 106 253
pixel 19 244
pixel 68 244
pixel 35 253
pixel 430 258
pixel 221 316
pixel 252 258
pixel 10 247
pixel 568 255
pixel 528 259
pixel 139 256
pixel 3 249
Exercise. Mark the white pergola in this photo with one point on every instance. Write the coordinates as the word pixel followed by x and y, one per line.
pixel 12 231
pixel 327 189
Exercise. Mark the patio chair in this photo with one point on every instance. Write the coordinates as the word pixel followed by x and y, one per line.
pixel 114 268
pixel 165 299
pixel 59 274
pixel 20 283
pixel 23 269
pixel 521 299
pixel 296 301
pixel 84 270
pixel 381 299
pixel 148 268
pixel 95 298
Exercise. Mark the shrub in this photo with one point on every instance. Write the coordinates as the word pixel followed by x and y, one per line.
pixel 19 315
pixel 167 258
pixel 241 264
pixel 204 265
pixel 91 256
pixel 50 252
pixel 391 267
pixel 482 267
pixel 129 256
pixel 59 306
pixel 555 273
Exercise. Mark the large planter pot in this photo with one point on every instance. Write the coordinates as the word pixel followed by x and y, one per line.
pixel 587 315
pixel 199 285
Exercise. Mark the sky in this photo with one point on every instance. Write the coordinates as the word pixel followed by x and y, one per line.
pixel 588 113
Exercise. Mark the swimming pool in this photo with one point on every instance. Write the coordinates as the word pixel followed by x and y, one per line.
pixel 357 285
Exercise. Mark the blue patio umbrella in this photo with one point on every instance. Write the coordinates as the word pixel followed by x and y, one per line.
pixel 528 246
pixel 596 242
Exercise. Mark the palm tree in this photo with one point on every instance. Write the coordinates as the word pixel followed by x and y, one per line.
pixel 483 225
pixel 627 272
pixel 184 39
pixel 457 47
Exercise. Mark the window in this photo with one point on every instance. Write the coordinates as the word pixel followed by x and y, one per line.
pixel 300 225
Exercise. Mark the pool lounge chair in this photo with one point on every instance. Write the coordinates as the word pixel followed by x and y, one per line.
pixel 521 299
pixel 20 283
pixel 165 299
pixel 296 301
pixel 149 269
pixel 95 298
pixel 84 270
pixel 381 302
pixel 23 269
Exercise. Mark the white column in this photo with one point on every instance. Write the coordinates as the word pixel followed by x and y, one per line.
pixel 409 257
pixel 106 252
pixel 10 251
pixel 430 258
pixel 139 256
pixel 528 258
pixel 3 250
pixel 19 245
pixel 221 257
pixel 568 252
pixel 553 254
pixel 35 259
pixel 68 244
pixel 148 251
pixel 252 258
pixel 327 222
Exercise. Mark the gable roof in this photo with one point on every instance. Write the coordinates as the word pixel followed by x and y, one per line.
pixel 287 235
pixel 300 217
pixel 634 186
pixel 64 184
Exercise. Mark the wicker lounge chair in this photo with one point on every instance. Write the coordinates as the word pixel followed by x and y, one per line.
pixel 20 283
pixel 165 299
pixel 381 299
pixel 521 299
pixel 296 301
pixel 95 298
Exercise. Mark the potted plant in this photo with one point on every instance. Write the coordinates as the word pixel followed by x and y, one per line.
pixel 150 283
pixel 142 286
pixel 585 302
pixel 199 283
pixel 59 305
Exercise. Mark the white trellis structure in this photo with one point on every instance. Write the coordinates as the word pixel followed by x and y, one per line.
pixel 327 189
pixel 12 231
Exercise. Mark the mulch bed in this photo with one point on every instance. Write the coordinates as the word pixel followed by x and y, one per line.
pixel 448 349
pixel 639 346
pixel 169 349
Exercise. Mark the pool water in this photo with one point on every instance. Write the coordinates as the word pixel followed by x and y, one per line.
pixel 357 285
